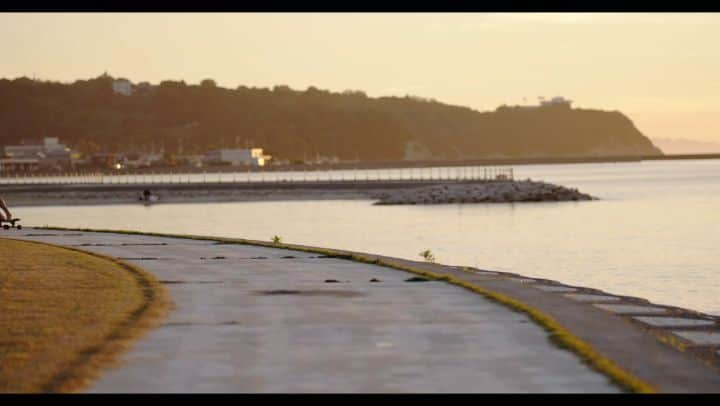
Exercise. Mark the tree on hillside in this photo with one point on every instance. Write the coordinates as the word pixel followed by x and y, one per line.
pixel 208 83
pixel 282 89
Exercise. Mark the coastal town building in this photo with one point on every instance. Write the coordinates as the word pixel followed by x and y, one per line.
pixel 18 164
pixel 193 160
pixel 49 145
pixel 320 159
pixel 51 154
pixel 108 160
pixel 142 160
pixel 237 157
pixel 556 101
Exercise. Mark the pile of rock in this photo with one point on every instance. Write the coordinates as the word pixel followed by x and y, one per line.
pixel 483 192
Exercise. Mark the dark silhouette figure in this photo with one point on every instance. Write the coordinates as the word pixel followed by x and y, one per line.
pixel 146 195
pixel 6 216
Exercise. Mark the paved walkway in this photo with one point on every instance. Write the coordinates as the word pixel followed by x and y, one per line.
pixel 253 319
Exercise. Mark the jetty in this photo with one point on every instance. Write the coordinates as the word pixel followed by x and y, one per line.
pixel 236 186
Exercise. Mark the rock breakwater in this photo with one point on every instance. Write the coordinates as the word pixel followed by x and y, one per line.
pixel 483 192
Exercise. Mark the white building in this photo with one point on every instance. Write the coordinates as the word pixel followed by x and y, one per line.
pixel 142 160
pixel 237 157
pixel 556 101
pixel 50 145
pixel 123 87
pixel 18 164
pixel 51 153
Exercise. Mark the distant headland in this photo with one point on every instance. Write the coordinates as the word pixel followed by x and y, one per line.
pixel 107 114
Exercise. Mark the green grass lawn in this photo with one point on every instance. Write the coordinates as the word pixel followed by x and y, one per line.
pixel 65 314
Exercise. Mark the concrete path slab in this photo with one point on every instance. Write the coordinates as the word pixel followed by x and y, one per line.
pixel 489 273
pixel 700 337
pixel 673 321
pixel 522 280
pixel 556 289
pixel 630 345
pixel 276 325
pixel 592 298
pixel 631 309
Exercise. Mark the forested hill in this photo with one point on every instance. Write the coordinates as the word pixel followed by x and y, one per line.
pixel 294 125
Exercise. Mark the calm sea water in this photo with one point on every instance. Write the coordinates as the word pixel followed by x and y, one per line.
pixel 655 233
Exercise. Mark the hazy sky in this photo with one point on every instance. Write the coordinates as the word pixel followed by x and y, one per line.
pixel 662 70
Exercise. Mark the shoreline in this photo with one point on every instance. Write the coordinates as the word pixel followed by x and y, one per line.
pixel 49 202
pixel 71 198
pixel 606 330
pixel 381 192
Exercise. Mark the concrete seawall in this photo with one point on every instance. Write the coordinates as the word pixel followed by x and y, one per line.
pixel 384 191
pixel 276 319
pixel 309 185
pixel 58 194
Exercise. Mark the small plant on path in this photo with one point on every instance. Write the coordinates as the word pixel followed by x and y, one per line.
pixel 428 256
pixel 276 239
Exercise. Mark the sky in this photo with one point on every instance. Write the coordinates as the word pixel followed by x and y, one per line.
pixel 660 69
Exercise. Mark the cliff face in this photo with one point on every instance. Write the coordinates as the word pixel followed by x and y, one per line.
pixel 560 131
pixel 300 125
pixel 548 131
